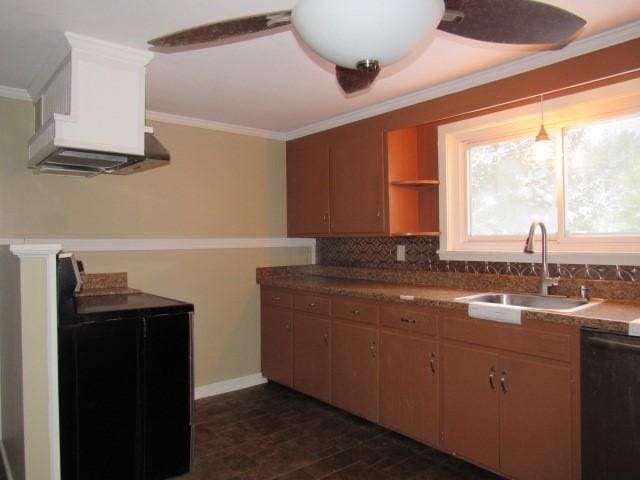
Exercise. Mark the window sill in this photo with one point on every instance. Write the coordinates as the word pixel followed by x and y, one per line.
pixel 566 258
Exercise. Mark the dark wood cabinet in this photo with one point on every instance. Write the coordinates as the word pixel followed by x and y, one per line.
pixel 355 369
pixel 357 184
pixel 307 189
pixel 276 348
pixel 409 385
pixel 312 355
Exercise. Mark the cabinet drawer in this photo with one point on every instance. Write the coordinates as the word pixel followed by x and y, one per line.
pixel 356 310
pixel 277 298
pixel 410 319
pixel 519 339
pixel 312 303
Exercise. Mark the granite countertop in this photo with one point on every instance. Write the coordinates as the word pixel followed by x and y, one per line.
pixel 100 284
pixel 612 314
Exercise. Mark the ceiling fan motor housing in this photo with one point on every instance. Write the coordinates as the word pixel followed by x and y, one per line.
pixel 350 32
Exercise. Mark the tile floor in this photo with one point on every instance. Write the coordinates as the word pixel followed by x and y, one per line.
pixel 271 432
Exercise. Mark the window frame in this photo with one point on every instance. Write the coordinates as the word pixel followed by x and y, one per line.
pixel 454 138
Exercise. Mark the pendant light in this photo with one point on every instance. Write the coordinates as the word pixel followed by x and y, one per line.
pixel 543 141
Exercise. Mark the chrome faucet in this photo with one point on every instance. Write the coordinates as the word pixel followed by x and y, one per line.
pixel 546 281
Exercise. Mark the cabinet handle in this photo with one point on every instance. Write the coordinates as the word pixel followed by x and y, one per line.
pixel 379 213
pixel 355 311
pixel 503 381
pixel 288 326
pixel 492 376
pixel 277 299
pixel 325 337
pixel 325 217
pixel 372 349
pixel 407 320
pixel 312 304
pixel 432 362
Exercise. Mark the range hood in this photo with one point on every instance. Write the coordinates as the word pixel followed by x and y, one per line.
pixel 90 112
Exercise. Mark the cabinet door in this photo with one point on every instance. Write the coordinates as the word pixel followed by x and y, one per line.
pixel 355 369
pixel 276 351
pixel 108 391
pixel 307 189
pixel 312 355
pixel 409 386
pixel 168 395
pixel 535 419
pixel 470 382
pixel 357 184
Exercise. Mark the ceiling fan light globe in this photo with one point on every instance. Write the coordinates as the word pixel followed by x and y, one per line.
pixel 346 32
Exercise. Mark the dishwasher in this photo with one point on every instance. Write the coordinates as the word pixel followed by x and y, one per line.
pixel 610 394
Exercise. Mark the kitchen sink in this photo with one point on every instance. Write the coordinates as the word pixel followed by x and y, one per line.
pixel 528 301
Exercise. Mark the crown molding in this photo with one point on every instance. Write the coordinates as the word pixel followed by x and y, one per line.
pixel 95 46
pixel 213 125
pixel 15 93
pixel 581 46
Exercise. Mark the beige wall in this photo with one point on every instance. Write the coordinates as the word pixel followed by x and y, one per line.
pixel 11 362
pixel 221 284
pixel 217 185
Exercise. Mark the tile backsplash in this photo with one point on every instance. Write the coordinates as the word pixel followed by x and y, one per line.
pixel 421 254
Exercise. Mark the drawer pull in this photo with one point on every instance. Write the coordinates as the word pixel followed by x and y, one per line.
pixel 277 299
pixel 432 362
pixel 372 349
pixel 492 376
pixel 325 337
pixel 287 326
pixel 312 304
pixel 503 381
pixel 355 311
pixel 407 320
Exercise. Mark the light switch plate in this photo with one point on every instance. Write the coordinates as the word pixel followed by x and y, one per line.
pixel 400 253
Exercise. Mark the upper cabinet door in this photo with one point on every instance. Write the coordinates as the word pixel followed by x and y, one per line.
pixel 307 189
pixel 357 184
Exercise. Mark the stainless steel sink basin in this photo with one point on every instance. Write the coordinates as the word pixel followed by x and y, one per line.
pixel 541 302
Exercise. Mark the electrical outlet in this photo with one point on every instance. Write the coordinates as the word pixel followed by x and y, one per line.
pixel 400 253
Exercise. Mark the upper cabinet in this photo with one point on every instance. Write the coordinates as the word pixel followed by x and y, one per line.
pixel 307 189
pixel 335 185
pixel 354 181
pixel 357 184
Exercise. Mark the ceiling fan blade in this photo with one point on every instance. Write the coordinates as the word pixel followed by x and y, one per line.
pixel 351 80
pixel 510 21
pixel 235 27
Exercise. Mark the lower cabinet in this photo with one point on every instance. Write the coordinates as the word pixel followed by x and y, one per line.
pixel 355 369
pixel 312 354
pixel 509 414
pixel 276 350
pixel 504 397
pixel 409 386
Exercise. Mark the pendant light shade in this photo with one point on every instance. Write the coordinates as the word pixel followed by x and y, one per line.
pixel 543 141
pixel 382 31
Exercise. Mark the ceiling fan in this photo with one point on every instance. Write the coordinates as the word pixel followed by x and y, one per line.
pixel 361 36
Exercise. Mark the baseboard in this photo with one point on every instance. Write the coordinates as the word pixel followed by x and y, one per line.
pixel 227 386
pixel 5 462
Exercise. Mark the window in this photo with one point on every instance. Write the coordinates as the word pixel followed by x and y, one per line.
pixel 585 188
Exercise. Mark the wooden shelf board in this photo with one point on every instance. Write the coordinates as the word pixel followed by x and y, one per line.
pixel 415 234
pixel 414 183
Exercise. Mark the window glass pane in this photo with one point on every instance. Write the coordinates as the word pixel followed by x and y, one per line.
pixel 509 186
pixel 602 177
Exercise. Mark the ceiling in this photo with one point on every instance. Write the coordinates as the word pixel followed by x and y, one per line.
pixel 269 82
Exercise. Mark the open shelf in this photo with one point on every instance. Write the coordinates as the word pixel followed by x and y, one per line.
pixel 412 174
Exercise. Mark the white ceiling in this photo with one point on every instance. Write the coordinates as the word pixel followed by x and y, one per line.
pixel 269 82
